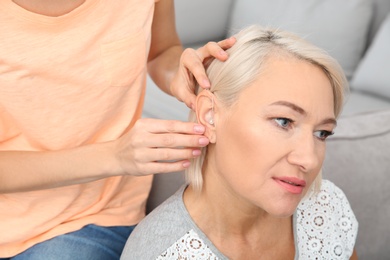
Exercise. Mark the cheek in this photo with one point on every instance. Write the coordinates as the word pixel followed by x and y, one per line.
pixel 320 150
pixel 246 149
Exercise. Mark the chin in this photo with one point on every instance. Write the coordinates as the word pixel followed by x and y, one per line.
pixel 283 214
pixel 283 211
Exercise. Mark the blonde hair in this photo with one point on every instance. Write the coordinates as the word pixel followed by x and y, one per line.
pixel 247 58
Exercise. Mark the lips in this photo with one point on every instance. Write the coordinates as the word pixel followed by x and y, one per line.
pixel 291 184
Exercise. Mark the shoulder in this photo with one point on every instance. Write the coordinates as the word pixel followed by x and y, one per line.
pixel 329 193
pixel 329 196
pixel 325 224
pixel 158 230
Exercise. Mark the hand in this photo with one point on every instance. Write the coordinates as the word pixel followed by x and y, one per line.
pixel 192 69
pixel 159 146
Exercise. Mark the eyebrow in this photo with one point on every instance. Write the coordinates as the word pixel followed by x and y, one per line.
pixel 302 111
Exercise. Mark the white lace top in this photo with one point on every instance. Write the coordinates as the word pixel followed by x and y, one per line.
pixel 324 228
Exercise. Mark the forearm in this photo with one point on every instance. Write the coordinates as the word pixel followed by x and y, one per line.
pixel 163 67
pixel 26 171
pixel 165 48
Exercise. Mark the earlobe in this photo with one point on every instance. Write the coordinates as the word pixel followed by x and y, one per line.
pixel 205 113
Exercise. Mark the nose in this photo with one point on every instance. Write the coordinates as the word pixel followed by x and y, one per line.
pixel 305 153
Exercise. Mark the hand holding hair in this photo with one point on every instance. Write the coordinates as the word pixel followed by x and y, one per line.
pixel 192 69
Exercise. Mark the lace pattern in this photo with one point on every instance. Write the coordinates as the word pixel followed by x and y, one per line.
pixel 189 246
pixel 326 225
pixel 326 228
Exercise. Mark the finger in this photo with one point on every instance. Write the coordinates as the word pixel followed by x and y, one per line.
pixel 193 61
pixel 172 155
pixel 227 43
pixel 165 167
pixel 173 141
pixel 190 100
pixel 211 50
pixel 187 94
pixel 160 126
pixel 216 50
pixel 165 155
pixel 205 54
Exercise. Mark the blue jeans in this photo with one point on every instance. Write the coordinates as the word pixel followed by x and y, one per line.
pixel 90 243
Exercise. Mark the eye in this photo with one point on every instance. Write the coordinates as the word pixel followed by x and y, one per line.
pixel 323 134
pixel 283 122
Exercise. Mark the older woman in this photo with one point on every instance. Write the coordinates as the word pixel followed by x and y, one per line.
pixel 257 191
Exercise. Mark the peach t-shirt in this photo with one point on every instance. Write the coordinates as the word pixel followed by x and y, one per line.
pixel 69 81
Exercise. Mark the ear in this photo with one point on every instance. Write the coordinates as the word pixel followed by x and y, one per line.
pixel 206 113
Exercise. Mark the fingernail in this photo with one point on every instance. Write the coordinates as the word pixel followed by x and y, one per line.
pixel 203 141
pixel 206 83
pixel 199 129
pixel 223 53
pixel 196 152
pixel 186 164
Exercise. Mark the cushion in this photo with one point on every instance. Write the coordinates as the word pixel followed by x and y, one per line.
pixel 373 72
pixel 358 161
pixel 359 102
pixel 381 9
pixel 164 185
pixel 339 27
pixel 200 21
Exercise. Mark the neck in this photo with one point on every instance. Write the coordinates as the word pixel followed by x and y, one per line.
pixel 229 215
pixel 228 220
pixel 49 7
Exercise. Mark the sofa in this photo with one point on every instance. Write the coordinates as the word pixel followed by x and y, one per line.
pixel 357 34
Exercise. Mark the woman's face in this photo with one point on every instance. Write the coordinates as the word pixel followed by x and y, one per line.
pixel 271 144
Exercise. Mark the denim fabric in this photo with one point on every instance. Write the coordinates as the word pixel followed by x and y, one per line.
pixel 90 243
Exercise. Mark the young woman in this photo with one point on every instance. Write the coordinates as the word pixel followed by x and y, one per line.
pixel 76 160
pixel 256 192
